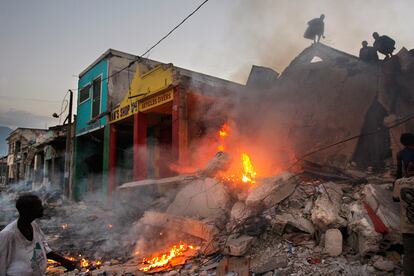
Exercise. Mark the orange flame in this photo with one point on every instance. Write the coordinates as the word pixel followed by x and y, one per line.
pixel 84 262
pixel 223 133
pixel 249 172
pixel 165 259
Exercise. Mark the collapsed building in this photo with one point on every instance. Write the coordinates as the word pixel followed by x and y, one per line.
pixel 331 214
pixel 207 174
pixel 36 157
pixel 326 96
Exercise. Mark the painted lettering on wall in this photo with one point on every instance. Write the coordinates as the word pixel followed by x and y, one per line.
pixel 156 101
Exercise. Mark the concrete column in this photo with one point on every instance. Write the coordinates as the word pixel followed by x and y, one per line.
pixel 180 126
pixel 112 159
pixel 140 146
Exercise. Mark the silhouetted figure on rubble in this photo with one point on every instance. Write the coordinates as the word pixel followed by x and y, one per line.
pixel 368 53
pixel 384 44
pixel 316 28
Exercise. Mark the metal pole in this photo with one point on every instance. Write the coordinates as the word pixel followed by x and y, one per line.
pixel 67 184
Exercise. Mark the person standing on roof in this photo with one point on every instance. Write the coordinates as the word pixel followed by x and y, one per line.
pixel 404 192
pixel 316 28
pixel 384 44
pixel 368 53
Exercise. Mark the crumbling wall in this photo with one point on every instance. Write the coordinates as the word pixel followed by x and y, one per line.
pixel 326 96
pixel 324 102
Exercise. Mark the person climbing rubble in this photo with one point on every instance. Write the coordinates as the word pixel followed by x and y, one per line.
pixel 315 30
pixel 368 53
pixel 404 192
pixel 384 44
pixel 23 246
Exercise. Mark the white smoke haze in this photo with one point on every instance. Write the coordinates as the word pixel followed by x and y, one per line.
pixel 94 227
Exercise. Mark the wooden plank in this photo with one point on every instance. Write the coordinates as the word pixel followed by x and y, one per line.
pixel 189 226
pixel 179 179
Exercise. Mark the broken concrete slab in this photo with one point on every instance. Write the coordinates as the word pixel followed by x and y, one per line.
pixel 274 262
pixel 239 212
pixel 363 236
pixel 192 227
pixel 297 221
pixel 333 242
pixel 380 200
pixel 326 211
pixel 238 246
pixel 272 191
pixel 202 198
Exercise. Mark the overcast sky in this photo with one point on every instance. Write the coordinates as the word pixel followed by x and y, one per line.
pixel 45 44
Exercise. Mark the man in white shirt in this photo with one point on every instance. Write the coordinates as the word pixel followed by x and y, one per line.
pixel 23 247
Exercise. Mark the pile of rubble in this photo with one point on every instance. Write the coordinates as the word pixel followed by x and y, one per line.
pixel 290 224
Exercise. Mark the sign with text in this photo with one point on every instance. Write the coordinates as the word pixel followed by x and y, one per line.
pixel 155 101
pixel 147 90
pixel 124 111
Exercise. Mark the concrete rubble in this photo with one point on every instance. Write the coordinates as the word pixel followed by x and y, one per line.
pixel 291 224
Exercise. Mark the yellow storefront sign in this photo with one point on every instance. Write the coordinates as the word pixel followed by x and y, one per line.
pixel 156 101
pixel 146 91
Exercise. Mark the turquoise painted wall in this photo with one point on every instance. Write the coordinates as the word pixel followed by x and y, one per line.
pixel 84 109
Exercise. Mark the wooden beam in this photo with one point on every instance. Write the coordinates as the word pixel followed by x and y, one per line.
pixel 179 179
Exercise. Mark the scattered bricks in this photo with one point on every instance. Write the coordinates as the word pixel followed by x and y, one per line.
pixel 271 191
pixel 238 246
pixel 333 242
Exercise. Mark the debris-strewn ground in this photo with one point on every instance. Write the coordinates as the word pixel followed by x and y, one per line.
pixel 289 224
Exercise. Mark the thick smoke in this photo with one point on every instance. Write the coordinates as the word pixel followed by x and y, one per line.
pixel 270 33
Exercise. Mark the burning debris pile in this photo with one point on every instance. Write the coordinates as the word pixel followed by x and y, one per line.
pixel 290 223
pixel 227 218
pixel 316 220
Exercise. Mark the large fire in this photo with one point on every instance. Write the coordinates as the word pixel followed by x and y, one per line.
pixel 248 172
pixel 167 259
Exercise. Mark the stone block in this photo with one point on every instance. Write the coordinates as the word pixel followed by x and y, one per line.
pixel 270 192
pixel 238 246
pixel 325 213
pixel 298 222
pixel 202 198
pixel 333 242
pixel 239 211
